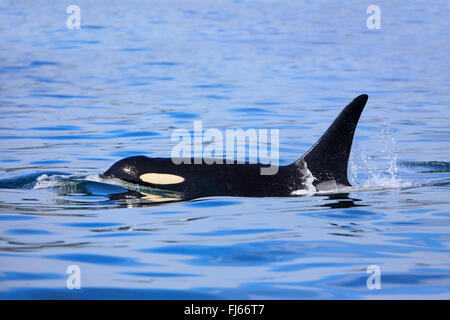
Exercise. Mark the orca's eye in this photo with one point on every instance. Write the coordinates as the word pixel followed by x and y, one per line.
pixel 161 178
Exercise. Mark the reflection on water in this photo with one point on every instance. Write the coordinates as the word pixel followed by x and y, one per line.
pixel 342 201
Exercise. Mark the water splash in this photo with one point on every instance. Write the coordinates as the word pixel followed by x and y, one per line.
pixel 374 171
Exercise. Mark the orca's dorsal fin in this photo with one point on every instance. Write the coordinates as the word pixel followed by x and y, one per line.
pixel 328 158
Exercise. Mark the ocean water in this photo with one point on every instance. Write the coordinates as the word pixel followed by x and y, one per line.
pixel 73 102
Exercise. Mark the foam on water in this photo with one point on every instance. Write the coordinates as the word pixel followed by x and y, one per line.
pixel 50 181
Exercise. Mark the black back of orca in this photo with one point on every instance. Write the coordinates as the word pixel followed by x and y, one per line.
pixel 327 161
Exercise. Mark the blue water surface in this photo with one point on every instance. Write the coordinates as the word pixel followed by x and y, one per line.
pixel 75 101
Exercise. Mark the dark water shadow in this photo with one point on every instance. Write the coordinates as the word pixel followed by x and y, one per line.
pixel 342 201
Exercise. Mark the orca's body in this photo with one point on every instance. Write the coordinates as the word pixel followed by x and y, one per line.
pixel 327 161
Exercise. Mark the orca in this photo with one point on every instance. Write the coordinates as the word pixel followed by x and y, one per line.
pixel 322 167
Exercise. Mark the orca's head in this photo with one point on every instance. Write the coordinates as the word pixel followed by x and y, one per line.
pixel 152 172
pixel 143 171
pixel 129 169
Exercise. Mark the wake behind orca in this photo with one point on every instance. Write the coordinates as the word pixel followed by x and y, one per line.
pixel 324 166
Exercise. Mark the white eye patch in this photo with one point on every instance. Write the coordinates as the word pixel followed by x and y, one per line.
pixel 161 178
